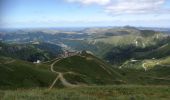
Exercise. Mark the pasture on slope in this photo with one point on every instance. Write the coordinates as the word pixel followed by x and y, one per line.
pixel 89 69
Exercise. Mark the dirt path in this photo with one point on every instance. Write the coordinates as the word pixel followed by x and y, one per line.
pixel 163 65
pixel 49 61
pixel 143 65
pixel 8 62
pixel 60 77
pixel 160 78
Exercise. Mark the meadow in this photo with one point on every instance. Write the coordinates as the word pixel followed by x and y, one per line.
pixel 111 92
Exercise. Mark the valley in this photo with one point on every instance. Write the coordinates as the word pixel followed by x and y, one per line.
pixel 81 61
pixel 84 50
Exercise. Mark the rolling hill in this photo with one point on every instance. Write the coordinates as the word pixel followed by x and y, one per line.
pixel 88 69
pixel 21 74
pixel 30 51
pixel 80 70
pixel 157 75
pixel 126 56
pixel 83 69
pixel 100 41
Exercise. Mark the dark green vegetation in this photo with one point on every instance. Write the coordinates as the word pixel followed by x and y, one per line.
pixel 121 92
pixel 124 58
pixel 99 48
pixel 89 70
pixel 30 52
pixel 84 68
pixel 158 75
pixel 114 44
pixel 156 52
pixel 120 54
pixel 21 74
pixel 118 45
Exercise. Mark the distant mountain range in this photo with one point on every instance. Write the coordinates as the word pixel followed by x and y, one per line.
pixel 119 55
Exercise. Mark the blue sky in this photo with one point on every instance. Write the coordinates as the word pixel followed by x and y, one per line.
pixel 84 13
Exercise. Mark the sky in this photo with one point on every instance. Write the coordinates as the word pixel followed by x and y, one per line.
pixel 84 13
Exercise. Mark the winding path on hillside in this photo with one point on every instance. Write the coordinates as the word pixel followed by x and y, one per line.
pixel 143 65
pixel 8 62
pixel 165 65
pixel 60 76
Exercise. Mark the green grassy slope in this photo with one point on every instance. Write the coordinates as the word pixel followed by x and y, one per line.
pixel 158 52
pixel 20 74
pixel 122 92
pixel 121 54
pixel 89 70
pixel 158 75
pixel 147 63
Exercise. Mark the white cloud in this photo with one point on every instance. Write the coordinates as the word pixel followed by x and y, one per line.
pixel 136 7
pixel 87 2
pixel 128 6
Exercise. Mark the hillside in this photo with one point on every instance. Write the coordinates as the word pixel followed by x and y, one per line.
pixel 108 43
pixel 30 52
pixel 158 52
pixel 81 70
pixel 124 55
pixel 87 69
pixel 146 64
pixel 158 75
pixel 78 70
pixel 147 71
pixel 120 54
pixel 100 41
pixel 21 74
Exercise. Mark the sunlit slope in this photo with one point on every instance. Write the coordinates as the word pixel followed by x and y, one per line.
pixel 146 64
pixel 148 71
pixel 104 41
pixel 139 38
